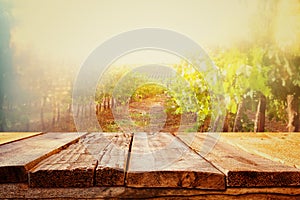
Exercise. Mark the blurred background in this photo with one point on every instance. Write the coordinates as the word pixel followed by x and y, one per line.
pixel 254 44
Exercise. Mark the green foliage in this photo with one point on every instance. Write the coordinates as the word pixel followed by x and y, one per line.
pixel 147 91
pixel 192 97
pixel 285 73
pixel 112 127
pixel 108 83
pixel 187 92
pixel 244 74
pixel 276 109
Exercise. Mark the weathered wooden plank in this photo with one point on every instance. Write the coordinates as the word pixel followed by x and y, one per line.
pixel 72 167
pixel 161 160
pixel 97 159
pixel 280 147
pixel 242 168
pixel 7 137
pixel 18 157
pixel 113 160
pixel 22 191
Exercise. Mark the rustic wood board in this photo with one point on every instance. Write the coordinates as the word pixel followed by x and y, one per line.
pixel 97 159
pixel 72 167
pixel 7 137
pixel 22 191
pixel 280 147
pixel 161 160
pixel 113 159
pixel 242 168
pixel 18 157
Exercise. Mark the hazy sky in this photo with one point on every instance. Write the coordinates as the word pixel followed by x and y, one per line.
pixel 68 30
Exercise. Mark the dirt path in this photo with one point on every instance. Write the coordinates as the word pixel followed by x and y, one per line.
pixel 147 115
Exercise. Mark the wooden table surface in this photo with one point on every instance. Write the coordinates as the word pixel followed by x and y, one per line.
pixel 18 157
pixel 6 137
pixel 151 164
pixel 243 169
pixel 161 160
pixel 280 147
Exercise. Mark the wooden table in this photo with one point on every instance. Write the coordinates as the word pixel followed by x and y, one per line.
pixel 7 137
pixel 138 165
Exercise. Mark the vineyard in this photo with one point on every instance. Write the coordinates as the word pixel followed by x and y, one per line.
pixel 261 91
pixel 253 102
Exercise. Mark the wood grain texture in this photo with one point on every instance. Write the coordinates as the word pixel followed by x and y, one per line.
pixel 280 147
pixel 113 159
pixel 242 168
pixel 72 167
pixel 97 159
pixel 161 160
pixel 18 157
pixel 22 191
pixel 8 137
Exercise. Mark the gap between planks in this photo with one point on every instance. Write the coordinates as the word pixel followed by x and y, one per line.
pixel 98 159
pixel 104 166
pixel 109 176
pixel 161 160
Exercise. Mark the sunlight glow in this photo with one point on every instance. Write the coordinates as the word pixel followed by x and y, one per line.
pixel 70 30
pixel 288 25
